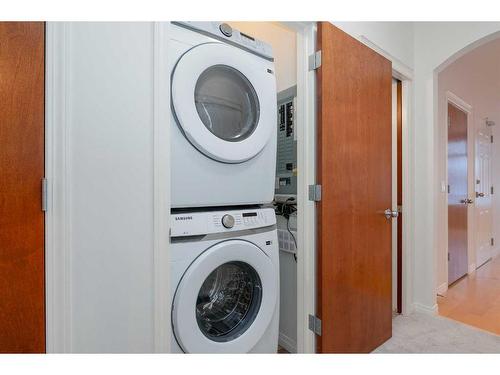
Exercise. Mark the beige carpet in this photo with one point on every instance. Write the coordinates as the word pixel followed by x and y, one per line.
pixel 423 333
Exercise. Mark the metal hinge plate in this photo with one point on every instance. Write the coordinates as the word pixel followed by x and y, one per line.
pixel 492 190
pixel 491 138
pixel 492 241
pixel 44 194
pixel 315 60
pixel 315 193
pixel 315 324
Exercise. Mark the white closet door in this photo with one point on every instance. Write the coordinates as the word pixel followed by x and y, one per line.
pixel 483 185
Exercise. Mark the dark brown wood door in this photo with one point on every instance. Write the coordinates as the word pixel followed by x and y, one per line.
pixel 22 275
pixel 457 193
pixel 354 168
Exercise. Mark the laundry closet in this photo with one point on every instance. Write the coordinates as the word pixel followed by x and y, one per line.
pixel 233 157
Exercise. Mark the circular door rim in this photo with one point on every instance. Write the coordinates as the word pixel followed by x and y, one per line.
pixel 185 326
pixel 184 78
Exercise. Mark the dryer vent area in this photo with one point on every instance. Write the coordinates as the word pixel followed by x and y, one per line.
pixel 284 45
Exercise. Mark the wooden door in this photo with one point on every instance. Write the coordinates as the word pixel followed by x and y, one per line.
pixel 483 196
pixel 354 168
pixel 457 193
pixel 22 300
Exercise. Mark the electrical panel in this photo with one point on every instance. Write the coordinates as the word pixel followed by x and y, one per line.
pixel 286 163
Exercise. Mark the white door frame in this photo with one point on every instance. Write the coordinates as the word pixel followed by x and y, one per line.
pixel 306 164
pixel 57 172
pixel 458 102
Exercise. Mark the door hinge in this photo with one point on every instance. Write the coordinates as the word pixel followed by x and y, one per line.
pixel 315 324
pixel 491 190
pixel 315 193
pixel 448 257
pixel 315 60
pixel 491 138
pixel 44 194
pixel 492 241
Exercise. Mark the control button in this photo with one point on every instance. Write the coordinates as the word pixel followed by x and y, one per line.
pixel 228 221
pixel 226 29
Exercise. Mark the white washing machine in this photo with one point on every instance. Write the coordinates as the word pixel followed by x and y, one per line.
pixel 223 122
pixel 224 281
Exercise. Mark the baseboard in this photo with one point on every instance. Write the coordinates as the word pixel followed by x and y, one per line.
pixel 431 310
pixel 443 288
pixel 495 252
pixel 287 343
pixel 472 268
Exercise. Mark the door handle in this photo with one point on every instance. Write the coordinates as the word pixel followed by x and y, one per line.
pixel 479 195
pixel 389 214
pixel 466 201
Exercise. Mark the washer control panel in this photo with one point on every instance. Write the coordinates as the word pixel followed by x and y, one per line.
pixel 201 223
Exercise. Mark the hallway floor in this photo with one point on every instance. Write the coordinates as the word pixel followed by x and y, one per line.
pixel 475 300
pixel 425 333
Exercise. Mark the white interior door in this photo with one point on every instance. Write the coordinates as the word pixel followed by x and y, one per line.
pixel 483 184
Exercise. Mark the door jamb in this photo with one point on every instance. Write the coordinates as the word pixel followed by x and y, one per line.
pixel 460 103
pixel 306 163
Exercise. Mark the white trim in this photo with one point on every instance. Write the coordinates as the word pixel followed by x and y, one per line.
pixel 472 268
pixel 57 225
pixel 287 343
pixel 467 108
pixel 408 186
pixel 432 310
pixel 442 289
pixel 400 70
pixel 306 163
pixel 161 162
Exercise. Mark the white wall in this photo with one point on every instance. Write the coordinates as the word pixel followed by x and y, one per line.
pixel 284 44
pixel 435 43
pixel 395 38
pixel 475 78
pixel 109 138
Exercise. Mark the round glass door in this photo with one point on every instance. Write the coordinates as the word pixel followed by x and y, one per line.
pixel 224 101
pixel 227 103
pixel 228 301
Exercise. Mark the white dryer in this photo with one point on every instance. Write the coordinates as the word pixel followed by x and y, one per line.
pixel 224 281
pixel 223 122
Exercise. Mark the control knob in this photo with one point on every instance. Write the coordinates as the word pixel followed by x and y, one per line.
pixel 228 221
pixel 226 30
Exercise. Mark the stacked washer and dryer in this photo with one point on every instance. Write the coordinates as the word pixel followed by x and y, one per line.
pixel 224 249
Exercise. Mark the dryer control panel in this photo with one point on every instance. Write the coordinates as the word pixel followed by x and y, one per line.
pixel 226 33
pixel 201 223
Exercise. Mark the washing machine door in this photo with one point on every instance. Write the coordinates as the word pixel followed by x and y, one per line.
pixel 226 299
pixel 224 100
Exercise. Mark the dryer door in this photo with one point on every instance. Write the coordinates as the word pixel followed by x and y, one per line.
pixel 226 299
pixel 224 100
